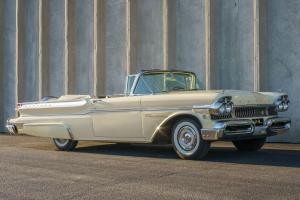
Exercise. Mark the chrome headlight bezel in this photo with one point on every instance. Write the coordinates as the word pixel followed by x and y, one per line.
pixel 224 106
pixel 282 103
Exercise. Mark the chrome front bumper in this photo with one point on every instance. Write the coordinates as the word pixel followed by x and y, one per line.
pixel 241 129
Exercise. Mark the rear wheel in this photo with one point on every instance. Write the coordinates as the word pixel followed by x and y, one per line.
pixel 249 145
pixel 65 144
pixel 187 141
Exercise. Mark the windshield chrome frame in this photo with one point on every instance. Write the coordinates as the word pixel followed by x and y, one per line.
pixel 133 84
pixel 139 75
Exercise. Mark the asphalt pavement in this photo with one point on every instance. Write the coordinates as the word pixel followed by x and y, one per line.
pixel 31 168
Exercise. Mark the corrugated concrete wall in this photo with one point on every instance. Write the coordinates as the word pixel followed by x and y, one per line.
pixel 56 47
pixel 281 52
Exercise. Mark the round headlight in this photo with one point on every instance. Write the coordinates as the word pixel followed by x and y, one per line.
pixel 285 106
pixel 228 108
pixel 222 109
pixel 280 106
pixel 282 103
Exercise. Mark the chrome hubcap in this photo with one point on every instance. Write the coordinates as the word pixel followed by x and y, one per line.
pixel 187 138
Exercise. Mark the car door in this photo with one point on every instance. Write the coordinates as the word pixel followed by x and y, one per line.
pixel 118 118
pixel 155 109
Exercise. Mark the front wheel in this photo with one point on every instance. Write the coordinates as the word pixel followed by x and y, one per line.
pixel 249 145
pixel 187 141
pixel 65 144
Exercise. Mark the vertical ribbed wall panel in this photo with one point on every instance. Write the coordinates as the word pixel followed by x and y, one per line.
pixel 116 43
pixel 28 50
pixel 52 46
pixel 146 26
pixel 190 37
pixel 99 47
pixel 8 81
pixel 232 49
pixel 281 70
pixel 2 49
pixel 80 46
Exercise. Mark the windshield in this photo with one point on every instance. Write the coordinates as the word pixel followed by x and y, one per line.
pixel 159 82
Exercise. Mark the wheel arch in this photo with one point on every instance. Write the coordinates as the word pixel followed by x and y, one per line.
pixel 162 133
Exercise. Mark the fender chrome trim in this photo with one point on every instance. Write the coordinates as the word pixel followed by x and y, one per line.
pixel 57 104
pixel 157 129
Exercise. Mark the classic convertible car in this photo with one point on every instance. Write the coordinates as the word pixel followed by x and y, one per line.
pixel 159 106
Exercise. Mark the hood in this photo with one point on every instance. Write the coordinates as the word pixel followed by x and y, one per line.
pixel 241 97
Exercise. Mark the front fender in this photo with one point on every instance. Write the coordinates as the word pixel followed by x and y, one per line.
pixel 163 128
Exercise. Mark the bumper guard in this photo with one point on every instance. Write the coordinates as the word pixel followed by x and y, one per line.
pixel 232 130
pixel 12 129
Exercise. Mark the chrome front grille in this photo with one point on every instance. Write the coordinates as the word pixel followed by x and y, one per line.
pixel 248 112
pixel 245 112
pixel 216 117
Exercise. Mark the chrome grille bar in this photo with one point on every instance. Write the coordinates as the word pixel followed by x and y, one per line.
pixel 248 112
pixel 253 111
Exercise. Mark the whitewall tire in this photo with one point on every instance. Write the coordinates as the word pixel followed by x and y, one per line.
pixel 187 141
pixel 65 144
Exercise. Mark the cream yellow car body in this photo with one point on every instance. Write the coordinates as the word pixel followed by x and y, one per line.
pixel 146 118
pixel 127 119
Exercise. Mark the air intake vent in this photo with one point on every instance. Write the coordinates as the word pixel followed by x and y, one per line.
pixel 216 117
pixel 247 112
